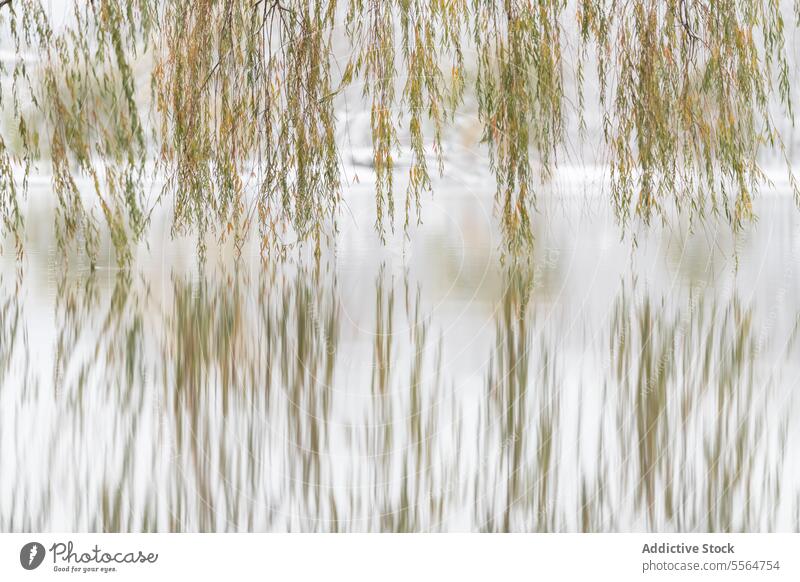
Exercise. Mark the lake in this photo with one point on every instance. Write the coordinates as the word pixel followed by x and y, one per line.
pixel 608 383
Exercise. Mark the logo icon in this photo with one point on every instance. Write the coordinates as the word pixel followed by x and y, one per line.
pixel 31 555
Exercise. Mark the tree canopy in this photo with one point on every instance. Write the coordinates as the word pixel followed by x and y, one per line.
pixel 233 103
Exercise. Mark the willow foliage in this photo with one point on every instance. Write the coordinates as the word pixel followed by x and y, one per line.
pixel 233 105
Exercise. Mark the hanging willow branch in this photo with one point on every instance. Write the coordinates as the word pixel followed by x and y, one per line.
pixel 233 104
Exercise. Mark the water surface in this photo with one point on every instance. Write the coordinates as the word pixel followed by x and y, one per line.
pixel 424 385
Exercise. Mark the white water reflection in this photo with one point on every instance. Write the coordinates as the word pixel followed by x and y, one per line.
pixel 421 386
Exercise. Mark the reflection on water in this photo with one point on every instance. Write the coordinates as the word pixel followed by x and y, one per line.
pixel 421 389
